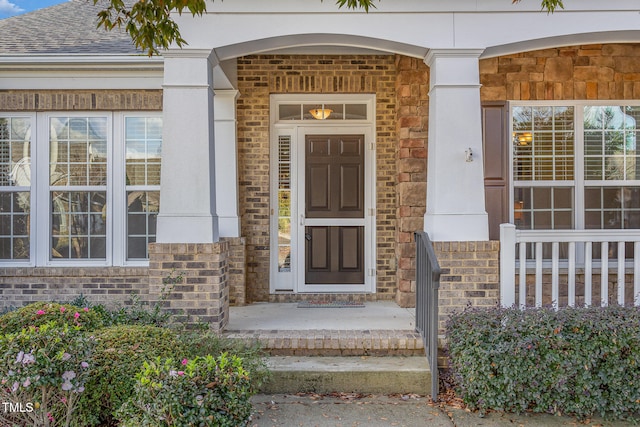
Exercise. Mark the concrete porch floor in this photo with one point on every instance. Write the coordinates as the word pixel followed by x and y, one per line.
pixel 376 315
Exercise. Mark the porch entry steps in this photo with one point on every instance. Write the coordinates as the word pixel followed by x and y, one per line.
pixel 374 349
pixel 325 342
pixel 374 375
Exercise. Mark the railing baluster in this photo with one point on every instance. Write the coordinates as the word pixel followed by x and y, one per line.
pixel 555 274
pixel 588 274
pixel 538 274
pixel 507 264
pixel 636 273
pixel 621 258
pixel 523 274
pixel 571 279
pixel 604 274
pixel 549 273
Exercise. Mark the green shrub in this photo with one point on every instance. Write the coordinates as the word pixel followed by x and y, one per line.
pixel 39 313
pixel 204 391
pixel 137 311
pixel 576 361
pixel 210 343
pixel 43 370
pixel 120 353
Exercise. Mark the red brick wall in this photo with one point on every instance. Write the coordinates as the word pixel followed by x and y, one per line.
pixel 262 75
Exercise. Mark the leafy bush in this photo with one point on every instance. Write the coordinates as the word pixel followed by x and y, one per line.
pixel 120 353
pixel 137 312
pixel 577 361
pixel 43 370
pixel 204 391
pixel 210 343
pixel 40 313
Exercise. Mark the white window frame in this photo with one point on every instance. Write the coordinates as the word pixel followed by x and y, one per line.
pixel 32 199
pixel 116 197
pixel 578 183
pixel 120 183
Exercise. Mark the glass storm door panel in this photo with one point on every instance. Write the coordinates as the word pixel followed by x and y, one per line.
pixel 334 209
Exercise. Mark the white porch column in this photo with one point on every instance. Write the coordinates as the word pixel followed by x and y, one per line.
pixel 455 176
pixel 226 162
pixel 188 192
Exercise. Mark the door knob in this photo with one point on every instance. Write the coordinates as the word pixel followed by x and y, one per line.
pixel 307 236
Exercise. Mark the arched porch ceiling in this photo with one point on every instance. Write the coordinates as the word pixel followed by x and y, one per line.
pixel 345 44
pixel 319 44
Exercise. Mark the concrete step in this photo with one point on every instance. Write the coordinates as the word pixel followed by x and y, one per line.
pixel 355 374
pixel 329 342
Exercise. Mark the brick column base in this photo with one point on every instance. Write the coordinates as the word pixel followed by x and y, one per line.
pixel 237 270
pixel 470 275
pixel 198 274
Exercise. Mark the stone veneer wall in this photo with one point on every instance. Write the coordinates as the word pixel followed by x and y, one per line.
pixel 262 75
pixel 412 91
pixel 598 72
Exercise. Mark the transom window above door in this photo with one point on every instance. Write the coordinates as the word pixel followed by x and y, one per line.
pixel 322 111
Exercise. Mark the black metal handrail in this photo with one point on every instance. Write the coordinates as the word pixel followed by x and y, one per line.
pixel 427 285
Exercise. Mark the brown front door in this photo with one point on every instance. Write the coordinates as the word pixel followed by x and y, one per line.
pixel 334 209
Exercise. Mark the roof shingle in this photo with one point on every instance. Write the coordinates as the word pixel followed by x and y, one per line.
pixel 66 28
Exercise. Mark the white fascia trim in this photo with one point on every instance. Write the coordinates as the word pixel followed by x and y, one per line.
pixel 62 72
pixel 75 62
pixel 408 6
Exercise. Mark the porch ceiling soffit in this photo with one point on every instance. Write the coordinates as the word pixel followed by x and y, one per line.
pixel 319 44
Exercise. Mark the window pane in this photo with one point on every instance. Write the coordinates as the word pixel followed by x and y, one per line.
pixel 284 203
pixel 142 213
pixel 542 198
pixel 543 207
pixel 143 150
pixel 78 151
pixel 542 221
pixel 355 111
pixel 15 160
pixel 337 111
pixel 15 225
pixel 15 175
pixel 610 142
pixel 612 207
pixel 543 142
pixel 563 198
pixel 78 224
pixel 289 112
pixel 143 146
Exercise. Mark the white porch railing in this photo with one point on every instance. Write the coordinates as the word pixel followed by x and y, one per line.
pixel 547 270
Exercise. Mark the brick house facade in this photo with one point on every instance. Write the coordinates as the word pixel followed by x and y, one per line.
pixel 221 267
